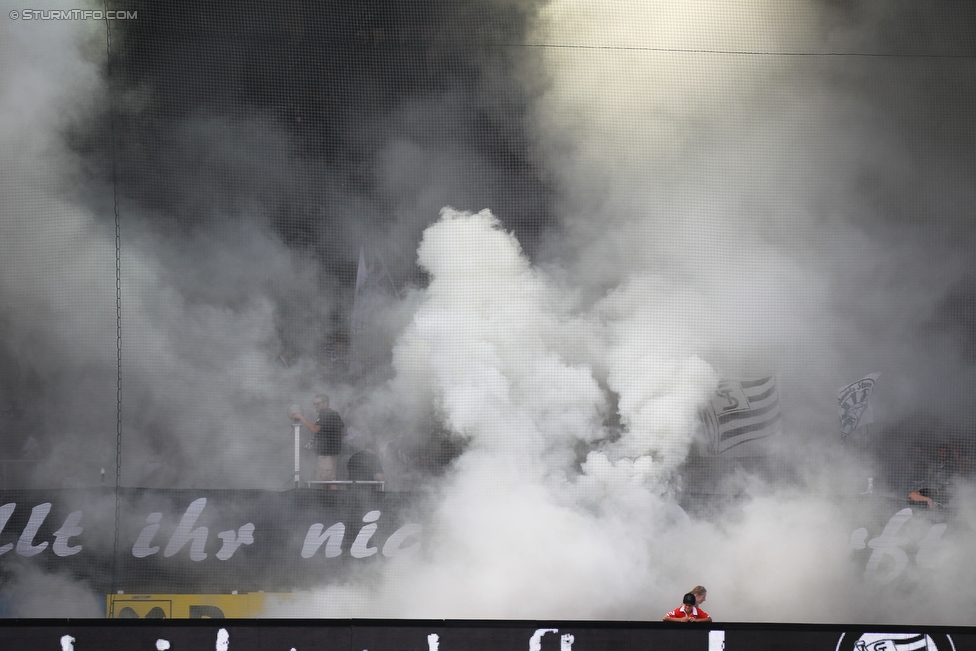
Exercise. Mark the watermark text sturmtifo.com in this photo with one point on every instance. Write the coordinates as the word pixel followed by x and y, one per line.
pixel 71 14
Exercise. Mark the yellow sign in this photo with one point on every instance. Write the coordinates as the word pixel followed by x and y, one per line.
pixel 186 606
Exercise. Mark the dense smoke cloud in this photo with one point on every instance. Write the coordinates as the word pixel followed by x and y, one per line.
pixel 675 195
pixel 718 188
pixel 243 206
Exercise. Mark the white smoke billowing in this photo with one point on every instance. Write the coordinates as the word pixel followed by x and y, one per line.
pixel 203 392
pixel 200 376
pixel 741 185
pixel 30 592
pixel 523 405
pixel 719 219
pixel 726 208
pixel 51 251
pixel 516 532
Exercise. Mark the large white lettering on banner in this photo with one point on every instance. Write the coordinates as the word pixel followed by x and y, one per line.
pixel 206 541
pixel 26 546
pixel 889 559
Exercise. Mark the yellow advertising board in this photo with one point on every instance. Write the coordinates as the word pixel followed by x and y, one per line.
pixel 186 606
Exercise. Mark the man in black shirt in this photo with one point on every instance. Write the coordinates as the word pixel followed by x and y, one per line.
pixel 327 432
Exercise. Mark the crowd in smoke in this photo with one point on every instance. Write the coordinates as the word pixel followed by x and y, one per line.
pixel 651 198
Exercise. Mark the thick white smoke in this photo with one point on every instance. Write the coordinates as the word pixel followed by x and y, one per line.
pixel 703 149
pixel 517 531
pixel 205 397
pixel 718 220
pixel 724 211
pixel 204 390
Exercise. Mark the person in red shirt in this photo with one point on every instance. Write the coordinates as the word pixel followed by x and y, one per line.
pixel 687 612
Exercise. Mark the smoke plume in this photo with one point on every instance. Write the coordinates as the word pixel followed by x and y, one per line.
pixel 593 213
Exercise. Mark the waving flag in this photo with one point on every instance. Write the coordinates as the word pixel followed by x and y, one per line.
pixel 852 404
pixel 740 413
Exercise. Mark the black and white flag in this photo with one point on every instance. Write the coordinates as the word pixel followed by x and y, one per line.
pixel 740 413
pixel 853 406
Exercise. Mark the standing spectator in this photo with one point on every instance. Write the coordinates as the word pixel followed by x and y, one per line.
pixel 327 432
pixel 700 594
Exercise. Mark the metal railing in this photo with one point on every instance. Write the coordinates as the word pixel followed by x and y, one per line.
pixel 345 482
